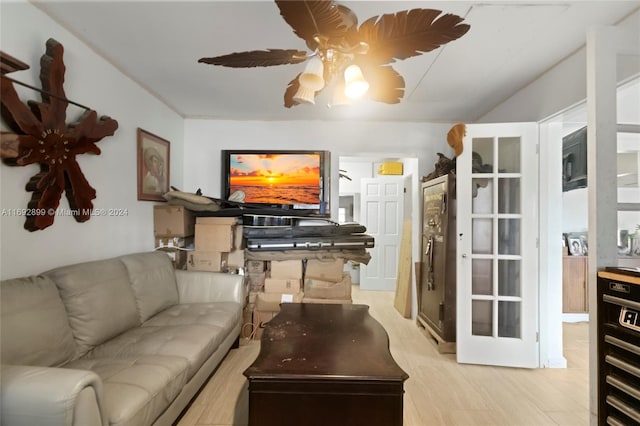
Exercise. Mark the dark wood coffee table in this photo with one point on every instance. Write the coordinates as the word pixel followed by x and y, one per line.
pixel 325 365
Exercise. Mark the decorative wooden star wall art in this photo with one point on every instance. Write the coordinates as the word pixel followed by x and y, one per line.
pixel 42 136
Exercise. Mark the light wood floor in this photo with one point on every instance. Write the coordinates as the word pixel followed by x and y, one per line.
pixel 439 391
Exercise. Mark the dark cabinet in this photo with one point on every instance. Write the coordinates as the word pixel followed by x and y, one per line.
pixel 437 283
pixel 618 346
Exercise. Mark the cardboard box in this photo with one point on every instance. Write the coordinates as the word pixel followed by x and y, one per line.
pixel 236 259
pixel 256 280
pixel 320 289
pixel 260 318
pixel 238 238
pixel 390 168
pixel 214 237
pixel 215 220
pixel 330 301
pixel 247 321
pixel 212 261
pixel 171 242
pixel 286 269
pixel 172 221
pixel 325 270
pixel 256 266
pixel 270 302
pixel 267 306
pixel 281 285
pixel 177 256
pixel 253 296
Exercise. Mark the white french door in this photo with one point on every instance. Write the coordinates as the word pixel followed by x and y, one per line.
pixel 497 257
pixel 382 211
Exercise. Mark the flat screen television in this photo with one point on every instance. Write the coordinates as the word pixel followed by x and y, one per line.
pixel 288 179
pixel 574 160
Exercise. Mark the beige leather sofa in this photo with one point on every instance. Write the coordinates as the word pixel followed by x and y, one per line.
pixel 121 341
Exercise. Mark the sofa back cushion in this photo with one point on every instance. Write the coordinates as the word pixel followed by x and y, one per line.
pixel 33 323
pixel 98 299
pixel 153 280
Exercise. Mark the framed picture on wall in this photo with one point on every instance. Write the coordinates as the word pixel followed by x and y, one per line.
pixel 153 166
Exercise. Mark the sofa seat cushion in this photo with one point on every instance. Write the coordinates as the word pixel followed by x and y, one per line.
pixel 194 342
pixel 33 323
pixel 225 315
pixel 137 389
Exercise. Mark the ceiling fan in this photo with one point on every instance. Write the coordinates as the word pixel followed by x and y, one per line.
pixel 360 55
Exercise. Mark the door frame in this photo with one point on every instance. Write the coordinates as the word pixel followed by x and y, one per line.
pixel 412 168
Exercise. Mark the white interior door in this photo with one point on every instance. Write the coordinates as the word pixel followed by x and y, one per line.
pixel 382 210
pixel 497 264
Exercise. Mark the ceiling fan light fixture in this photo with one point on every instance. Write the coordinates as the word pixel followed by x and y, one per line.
pixel 339 98
pixel 304 95
pixel 312 78
pixel 355 84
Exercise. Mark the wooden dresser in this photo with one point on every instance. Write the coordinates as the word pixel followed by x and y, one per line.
pixel 575 284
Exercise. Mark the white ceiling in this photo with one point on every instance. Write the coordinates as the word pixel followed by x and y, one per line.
pixel 158 44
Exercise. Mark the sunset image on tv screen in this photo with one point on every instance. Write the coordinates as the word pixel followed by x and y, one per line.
pixel 276 178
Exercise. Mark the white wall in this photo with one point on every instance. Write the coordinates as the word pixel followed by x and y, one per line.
pixel 91 81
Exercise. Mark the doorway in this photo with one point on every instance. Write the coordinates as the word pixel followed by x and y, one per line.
pixel 355 168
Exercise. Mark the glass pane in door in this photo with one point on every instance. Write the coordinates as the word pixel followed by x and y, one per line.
pixel 482 230
pixel 509 236
pixel 509 155
pixel 482 277
pixel 482 156
pixel 509 278
pixel 509 319
pixel 482 192
pixel 509 195
pixel 482 317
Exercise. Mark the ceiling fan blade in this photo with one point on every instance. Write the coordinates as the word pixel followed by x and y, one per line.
pixel 407 33
pixel 291 90
pixel 310 18
pixel 258 58
pixel 385 84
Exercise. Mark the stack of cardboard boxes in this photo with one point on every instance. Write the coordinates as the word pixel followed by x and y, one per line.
pixel 198 243
pixel 325 281
pixel 287 281
pixel 218 245
pixel 173 229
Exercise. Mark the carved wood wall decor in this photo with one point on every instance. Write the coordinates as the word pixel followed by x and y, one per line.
pixel 43 137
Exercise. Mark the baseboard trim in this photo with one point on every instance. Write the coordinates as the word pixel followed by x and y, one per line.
pixel 557 362
pixel 575 317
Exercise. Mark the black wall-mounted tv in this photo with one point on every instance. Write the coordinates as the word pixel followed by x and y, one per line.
pixel 287 179
pixel 574 160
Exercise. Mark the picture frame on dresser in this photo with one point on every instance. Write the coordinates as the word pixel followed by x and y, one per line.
pixel 577 243
pixel 575 246
pixel 153 169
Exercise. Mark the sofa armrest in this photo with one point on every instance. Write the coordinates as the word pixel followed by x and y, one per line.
pixel 202 287
pixel 45 396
